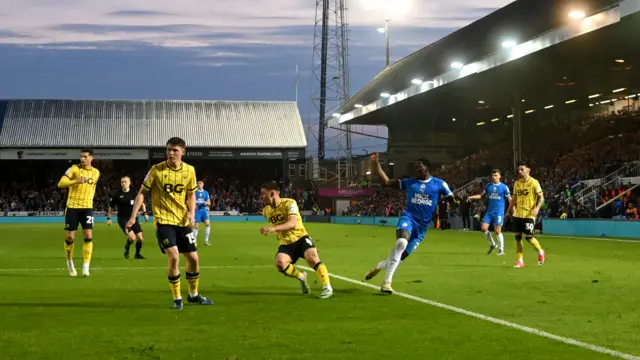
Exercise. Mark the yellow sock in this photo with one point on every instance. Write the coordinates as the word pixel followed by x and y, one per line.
pixel 174 285
pixel 192 281
pixel 323 274
pixel 87 250
pixel 68 249
pixel 535 244
pixel 519 250
pixel 291 271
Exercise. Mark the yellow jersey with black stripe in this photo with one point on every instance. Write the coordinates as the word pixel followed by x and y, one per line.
pixel 279 215
pixel 169 189
pixel 81 195
pixel 526 193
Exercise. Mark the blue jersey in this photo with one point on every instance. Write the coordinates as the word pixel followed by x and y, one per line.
pixel 201 197
pixel 496 195
pixel 423 197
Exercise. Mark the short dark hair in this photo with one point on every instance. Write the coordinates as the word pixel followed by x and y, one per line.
pixel 87 150
pixel 524 163
pixel 424 162
pixel 496 171
pixel 271 185
pixel 176 141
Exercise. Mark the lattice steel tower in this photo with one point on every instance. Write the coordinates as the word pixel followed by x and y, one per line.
pixel 330 87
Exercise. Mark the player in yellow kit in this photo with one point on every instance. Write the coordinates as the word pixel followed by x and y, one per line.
pixel 527 200
pixel 81 181
pixel 295 242
pixel 173 201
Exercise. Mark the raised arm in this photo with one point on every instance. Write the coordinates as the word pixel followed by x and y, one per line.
pixel 394 183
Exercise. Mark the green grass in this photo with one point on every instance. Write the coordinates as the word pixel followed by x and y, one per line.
pixel 123 310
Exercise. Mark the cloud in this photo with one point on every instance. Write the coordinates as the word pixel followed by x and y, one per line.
pixel 141 13
pixel 195 23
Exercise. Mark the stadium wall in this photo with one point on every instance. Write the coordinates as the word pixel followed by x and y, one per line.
pixel 592 228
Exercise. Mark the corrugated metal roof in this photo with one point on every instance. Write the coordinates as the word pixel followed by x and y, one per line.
pixel 149 123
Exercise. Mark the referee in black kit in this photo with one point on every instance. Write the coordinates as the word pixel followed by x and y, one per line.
pixel 124 200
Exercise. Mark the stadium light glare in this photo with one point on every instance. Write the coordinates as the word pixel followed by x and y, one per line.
pixel 509 116
pixel 496 119
pixel 590 105
pixel 481 123
pixel 509 44
pixel 529 111
pixel 630 96
pixel 480 102
pixel 618 90
pixel 570 101
pixel 385 95
pixel 548 107
pixel 620 61
pixel 594 96
pixel 605 102
pixel 391 163
pixel 357 106
pixel 368 172
pixel 416 81
pixel 577 15
pixel 454 119
pixel 457 65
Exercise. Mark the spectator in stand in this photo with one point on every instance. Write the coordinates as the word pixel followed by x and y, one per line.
pixel 631 212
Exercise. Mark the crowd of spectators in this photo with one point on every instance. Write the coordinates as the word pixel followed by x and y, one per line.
pixel 564 153
pixel 32 186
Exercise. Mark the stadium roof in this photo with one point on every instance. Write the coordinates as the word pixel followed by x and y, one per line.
pixel 148 124
pixel 556 59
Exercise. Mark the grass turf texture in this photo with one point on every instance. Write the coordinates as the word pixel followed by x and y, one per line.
pixel 123 310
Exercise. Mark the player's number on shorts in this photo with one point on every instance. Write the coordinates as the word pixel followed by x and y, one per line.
pixel 89 219
pixel 499 219
pixel 191 237
pixel 528 226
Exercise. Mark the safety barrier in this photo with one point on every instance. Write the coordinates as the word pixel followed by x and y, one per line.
pixel 592 228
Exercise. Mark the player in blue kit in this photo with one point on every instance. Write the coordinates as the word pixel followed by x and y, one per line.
pixel 496 193
pixel 202 212
pixel 423 194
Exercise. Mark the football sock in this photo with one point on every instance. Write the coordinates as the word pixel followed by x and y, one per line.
pixel 501 241
pixel 68 250
pixel 519 250
pixel 394 258
pixel 174 285
pixel 87 250
pixel 381 265
pixel 138 247
pixel 195 234
pixel 487 235
pixel 533 241
pixel 323 274
pixel 192 282
pixel 207 231
pixel 128 245
pixel 291 271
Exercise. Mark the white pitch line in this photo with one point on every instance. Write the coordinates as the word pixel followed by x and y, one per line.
pixel 526 329
pixel 142 268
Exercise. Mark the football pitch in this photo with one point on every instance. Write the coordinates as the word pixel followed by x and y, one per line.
pixel 453 301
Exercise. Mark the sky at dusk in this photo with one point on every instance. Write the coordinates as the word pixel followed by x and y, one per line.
pixel 204 50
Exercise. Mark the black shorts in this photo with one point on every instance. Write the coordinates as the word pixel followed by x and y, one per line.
pixel 523 225
pixel 73 217
pixel 136 228
pixel 297 249
pixel 180 236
